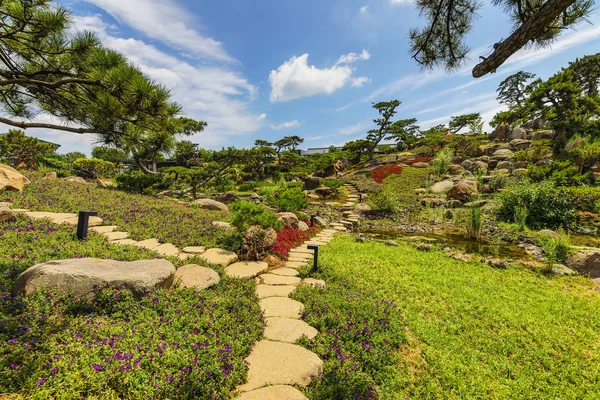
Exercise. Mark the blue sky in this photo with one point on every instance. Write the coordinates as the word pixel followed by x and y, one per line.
pixel 270 68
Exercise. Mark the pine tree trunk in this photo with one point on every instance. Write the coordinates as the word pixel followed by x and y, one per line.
pixel 529 30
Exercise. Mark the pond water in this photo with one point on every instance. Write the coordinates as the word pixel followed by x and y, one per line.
pixel 454 239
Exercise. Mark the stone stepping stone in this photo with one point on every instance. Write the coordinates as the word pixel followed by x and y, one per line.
pixel 264 291
pixel 301 250
pixel 288 330
pixel 219 257
pixel 277 392
pixel 276 363
pixel 20 210
pixel 103 229
pixel 294 264
pixel 314 242
pixel 314 282
pixel 246 269
pixel 281 307
pixel 285 272
pixel 270 279
pixel 167 250
pixel 196 276
pixel 116 235
pixel 184 256
pixel 148 244
pixel 340 228
pixel 300 259
pixel 194 249
pixel 124 242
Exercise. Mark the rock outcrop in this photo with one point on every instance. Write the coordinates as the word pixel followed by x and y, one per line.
pixel 11 179
pixel 209 204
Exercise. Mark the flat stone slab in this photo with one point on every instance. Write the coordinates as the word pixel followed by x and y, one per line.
pixel 314 282
pixel 196 276
pixel 219 257
pixel 264 291
pixel 63 218
pixel 277 392
pixel 270 279
pixel 285 272
pixel 103 229
pixel 194 249
pixel 123 242
pixel 183 256
pixel 288 330
pixel 276 363
pixel 301 249
pixel 295 264
pixel 281 307
pixel 167 250
pixel 246 269
pixel 148 244
pixel 299 260
pixel 116 235
pixel 81 275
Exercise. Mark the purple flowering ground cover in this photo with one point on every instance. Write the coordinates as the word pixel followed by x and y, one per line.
pixel 144 217
pixel 172 344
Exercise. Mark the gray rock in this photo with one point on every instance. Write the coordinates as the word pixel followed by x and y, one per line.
pixel 320 221
pixel 517 133
pixel 520 144
pixel 433 202
pixel 585 261
pixel 7 215
pixel 391 243
pixel 81 276
pixel 463 190
pixel 289 220
pixel 507 165
pixel 441 187
pixel 312 182
pixel 502 154
pixel 502 131
pixel 466 164
pixel 455 169
pixel 561 270
pixel 546 134
pixel 209 204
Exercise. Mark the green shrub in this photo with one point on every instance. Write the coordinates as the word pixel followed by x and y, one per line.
pixel 442 161
pixel 562 173
pixel 291 199
pixel 521 215
pixel 246 214
pixel 585 198
pixel 137 182
pixel 333 183
pixel 93 168
pixel 422 151
pixel 268 190
pixel 247 186
pixel 549 207
pixel 386 200
pixel 557 247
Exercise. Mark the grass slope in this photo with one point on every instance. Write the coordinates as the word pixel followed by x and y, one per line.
pixel 144 217
pixel 478 332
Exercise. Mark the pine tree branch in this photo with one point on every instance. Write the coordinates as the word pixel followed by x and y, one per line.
pixel 531 29
pixel 25 125
pixel 54 85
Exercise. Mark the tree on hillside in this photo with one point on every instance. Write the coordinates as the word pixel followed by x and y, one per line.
pixel 514 90
pixel 110 154
pixel 386 110
pixel 285 143
pixel 186 153
pixel 441 42
pixel 587 73
pixel 356 149
pixel 19 149
pixel 467 120
pixel 404 132
pixel 262 143
pixel 49 70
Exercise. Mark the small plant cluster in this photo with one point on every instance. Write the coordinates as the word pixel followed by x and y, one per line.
pixel 142 216
pixel 289 199
pixel 171 344
pixel 289 238
pixel 442 161
pixel 359 333
pixel 380 173
pixel 93 168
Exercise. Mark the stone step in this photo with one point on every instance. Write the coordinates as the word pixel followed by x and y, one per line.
pixel 288 330
pixel 116 235
pixel 194 249
pixel 294 258
pixel 276 363
pixel 167 250
pixel 103 228
pixel 281 307
pixel 148 244
pixel 284 271
pixel 246 269
pixel 219 257
pixel 314 282
pixel 196 276
pixel 301 249
pixel 271 279
pixel 264 291
pixel 276 392
pixel 125 242
pixel 295 264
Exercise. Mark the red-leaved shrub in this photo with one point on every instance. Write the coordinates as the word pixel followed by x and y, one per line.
pixel 289 238
pixel 380 173
pixel 418 159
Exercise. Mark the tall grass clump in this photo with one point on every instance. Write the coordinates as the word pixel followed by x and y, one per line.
pixel 442 161
pixel 556 246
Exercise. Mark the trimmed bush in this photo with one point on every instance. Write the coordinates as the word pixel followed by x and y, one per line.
pixel 246 214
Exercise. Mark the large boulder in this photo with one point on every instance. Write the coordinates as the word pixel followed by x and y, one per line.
pixel 81 276
pixel 289 220
pixel 517 133
pixel 507 165
pixel 441 187
pixel 327 192
pixel 466 164
pixel 320 221
pixel 464 190
pixel 75 179
pixel 479 165
pixel 503 154
pixel 11 179
pixel 50 175
pixel 312 182
pixel 210 204
pixel 455 169
pixel 6 214
pixel 520 144
pixel 585 261
pixel 546 134
pixel 226 198
pixel 502 131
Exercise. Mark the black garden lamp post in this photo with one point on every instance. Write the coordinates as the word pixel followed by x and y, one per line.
pixel 83 222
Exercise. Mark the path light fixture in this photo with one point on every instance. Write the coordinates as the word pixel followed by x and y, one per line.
pixel 312 219
pixel 360 197
pixel 83 222
pixel 315 248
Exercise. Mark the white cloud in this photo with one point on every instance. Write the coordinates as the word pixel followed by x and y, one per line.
pixel 360 81
pixel 353 57
pixel 401 2
pixel 287 125
pixel 352 129
pixel 213 94
pixel 486 106
pixel 295 78
pixel 364 9
pixel 167 22
pixel 261 117
pixel 462 100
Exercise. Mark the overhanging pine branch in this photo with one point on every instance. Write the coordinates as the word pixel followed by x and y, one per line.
pixel 25 125
pixel 531 29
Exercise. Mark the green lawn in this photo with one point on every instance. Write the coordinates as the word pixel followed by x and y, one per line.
pixel 474 332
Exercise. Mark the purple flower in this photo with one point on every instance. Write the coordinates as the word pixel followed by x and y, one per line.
pixel 126 367
pixel 14 366
pixel 78 335
pixel 97 367
pixel 42 380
